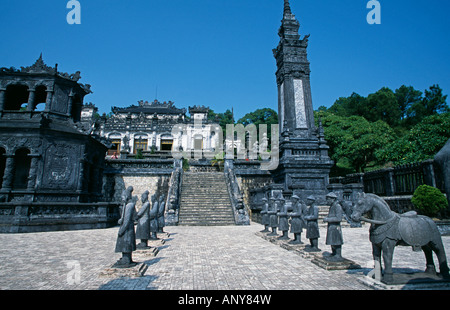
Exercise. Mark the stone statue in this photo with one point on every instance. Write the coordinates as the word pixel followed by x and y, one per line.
pixel 161 211
pixel 265 216
pixel 390 229
pixel 127 195
pixel 312 225
pixel 143 226
pixel 334 231
pixel 154 219
pixel 126 240
pixel 296 220
pixel 283 220
pixel 273 218
pixel 442 158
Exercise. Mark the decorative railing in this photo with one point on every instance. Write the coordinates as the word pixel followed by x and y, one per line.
pixel 398 181
pixel 240 213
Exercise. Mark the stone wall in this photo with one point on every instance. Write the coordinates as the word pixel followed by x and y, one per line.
pixel 153 184
pixel 153 175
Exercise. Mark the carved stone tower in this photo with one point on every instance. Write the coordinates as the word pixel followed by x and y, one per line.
pixel 304 162
pixel 51 165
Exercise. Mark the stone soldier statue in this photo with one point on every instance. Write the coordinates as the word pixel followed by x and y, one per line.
pixel 161 211
pixel 312 225
pixel 296 220
pixel 154 219
pixel 334 231
pixel 273 218
pixel 126 197
pixel 265 216
pixel 283 220
pixel 143 226
pixel 126 240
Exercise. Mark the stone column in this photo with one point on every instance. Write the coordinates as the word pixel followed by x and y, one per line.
pixel 9 173
pixel 33 171
pixel 48 102
pixel 69 105
pixel 31 96
pixel 2 98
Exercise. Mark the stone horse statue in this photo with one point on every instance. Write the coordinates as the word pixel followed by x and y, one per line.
pixel 390 229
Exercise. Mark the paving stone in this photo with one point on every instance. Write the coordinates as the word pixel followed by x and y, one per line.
pixel 189 258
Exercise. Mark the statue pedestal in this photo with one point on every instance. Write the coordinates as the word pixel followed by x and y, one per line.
pixel 324 262
pixel 299 249
pixel 408 281
pixel 150 252
pixel 136 271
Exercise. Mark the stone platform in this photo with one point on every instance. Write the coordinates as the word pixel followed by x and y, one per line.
pixel 408 281
pixel 319 258
pixel 191 258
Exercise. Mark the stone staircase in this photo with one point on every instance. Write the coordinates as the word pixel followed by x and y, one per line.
pixel 205 200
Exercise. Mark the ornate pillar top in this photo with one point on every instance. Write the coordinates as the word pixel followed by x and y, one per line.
pixel 287 8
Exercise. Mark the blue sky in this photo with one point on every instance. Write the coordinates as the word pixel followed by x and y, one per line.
pixel 218 53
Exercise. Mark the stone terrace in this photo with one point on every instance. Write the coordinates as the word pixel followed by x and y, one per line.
pixel 192 258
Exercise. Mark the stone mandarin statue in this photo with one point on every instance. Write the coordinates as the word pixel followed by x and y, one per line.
pixel 283 220
pixel 273 218
pixel 143 225
pixel 265 216
pixel 154 219
pixel 312 225
pixel 126 239
pixel 334 231
pixel 296 220
pixel 161 211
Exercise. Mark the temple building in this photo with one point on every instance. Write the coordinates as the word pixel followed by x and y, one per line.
pixel 149 127
pixel 50 164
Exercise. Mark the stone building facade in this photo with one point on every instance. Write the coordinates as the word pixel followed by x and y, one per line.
pixel 150 128
pixel 50 165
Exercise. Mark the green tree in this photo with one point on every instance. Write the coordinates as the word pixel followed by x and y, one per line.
pixel 264 116
pixel 406 96
pixel 433 102
pixel 383 106
pixel 261 116
pixel 222 119
pixel 354 139
pixel 422 142
pixel 355 105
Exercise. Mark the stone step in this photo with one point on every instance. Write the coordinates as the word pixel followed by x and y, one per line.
pixel 205 200
pixel 199 212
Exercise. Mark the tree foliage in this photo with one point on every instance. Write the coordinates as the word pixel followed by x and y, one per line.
pixel 387 127
pixel 355 138
pixel 422 142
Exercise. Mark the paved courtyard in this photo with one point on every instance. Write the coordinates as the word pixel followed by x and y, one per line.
pixel 192 258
